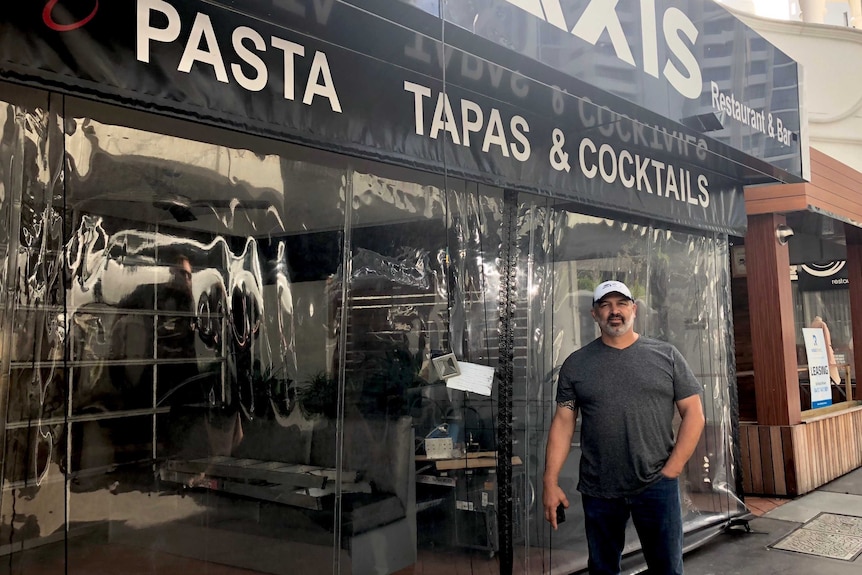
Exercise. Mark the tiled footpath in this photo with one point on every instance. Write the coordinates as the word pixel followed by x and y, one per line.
pixel 738 552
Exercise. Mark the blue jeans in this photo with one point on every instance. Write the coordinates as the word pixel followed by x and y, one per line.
pixel 657 516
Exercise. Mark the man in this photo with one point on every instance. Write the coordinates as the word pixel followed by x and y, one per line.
pixel 625 387
pixel 199 425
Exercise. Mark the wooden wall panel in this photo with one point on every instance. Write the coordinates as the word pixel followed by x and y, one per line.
pixel 777 453
pixel 789 200
pixel 745 460
pixel 829 173
pixel 801 457
pixel 834 187
pixel 781 454
pixel 773 336
pixel 754 457
pixel 785 192
pixel 743 350
pixel 832 204
pixel 791 478
pixel 766 461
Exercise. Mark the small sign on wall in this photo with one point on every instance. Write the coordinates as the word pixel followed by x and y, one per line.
pixel 737 261
pixel 818 367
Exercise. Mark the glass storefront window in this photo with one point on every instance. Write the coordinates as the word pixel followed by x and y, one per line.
pixel 681 285
pixel 221 351
pixel 821 300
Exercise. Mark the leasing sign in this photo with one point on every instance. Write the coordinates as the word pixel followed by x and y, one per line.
pixel 818 367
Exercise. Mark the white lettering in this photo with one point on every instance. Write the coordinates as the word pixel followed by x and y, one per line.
pixel 586 143
pixel 468 125
pixel 290 50
pixel 519 129
pixel 548 10
pixel 650 37
pixel 419 92
pixel 247 67
pixel 627 180
pixel 257 83
pixel 659 169
pixel 146 33
pixel 202 29
pixel 495 134
pixel 759 120
pixel 648 175
pixel 607 158
pixel 641 165
pixel 690 84
pixel 443 119
pixel 320 71
pixel 601 16
pixel 702 185
pixel 671 186
pixel 473 120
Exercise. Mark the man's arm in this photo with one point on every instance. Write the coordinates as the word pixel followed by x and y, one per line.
pixel 559 442
pixel 691 411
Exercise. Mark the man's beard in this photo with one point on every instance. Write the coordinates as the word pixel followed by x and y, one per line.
pixel 616 331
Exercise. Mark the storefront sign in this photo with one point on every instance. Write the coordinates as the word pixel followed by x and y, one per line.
pixel 597 18
pixel 818 367
pixel 822 276
pixel 328 74
pixel 690 61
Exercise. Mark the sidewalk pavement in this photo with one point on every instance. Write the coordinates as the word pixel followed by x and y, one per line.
pixel 821 525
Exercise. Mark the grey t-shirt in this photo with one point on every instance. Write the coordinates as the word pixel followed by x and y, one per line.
pixel 626 399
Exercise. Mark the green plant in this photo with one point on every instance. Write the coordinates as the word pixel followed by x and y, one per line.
pixel 390 372
pixel 319 396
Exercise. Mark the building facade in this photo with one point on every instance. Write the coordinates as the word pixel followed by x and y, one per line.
pixel 285 284
pixel 793 439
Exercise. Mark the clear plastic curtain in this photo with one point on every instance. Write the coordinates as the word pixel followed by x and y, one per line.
pixel 222 349
pixel 681 285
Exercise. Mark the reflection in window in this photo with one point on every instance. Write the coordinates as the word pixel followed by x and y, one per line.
pixel 229 340
pixel 822 301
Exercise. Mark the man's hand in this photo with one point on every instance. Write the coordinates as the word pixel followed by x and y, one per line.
pixel 552 497
pixel 559 442
pixel 691 411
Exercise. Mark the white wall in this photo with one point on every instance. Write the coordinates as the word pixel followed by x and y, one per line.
pixel 833 12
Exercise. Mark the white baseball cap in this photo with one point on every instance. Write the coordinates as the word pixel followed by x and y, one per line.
pixel 605 288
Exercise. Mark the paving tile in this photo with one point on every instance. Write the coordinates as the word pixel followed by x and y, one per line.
pixel 850 484
pixel 805 508
pixel 762 505
pixel 827 535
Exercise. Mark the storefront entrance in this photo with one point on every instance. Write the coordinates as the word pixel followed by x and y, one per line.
pixel 247 248
pixel 193 373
